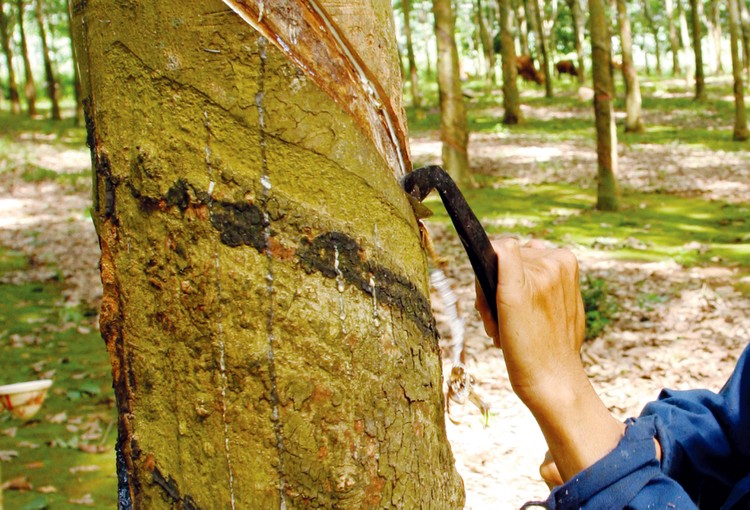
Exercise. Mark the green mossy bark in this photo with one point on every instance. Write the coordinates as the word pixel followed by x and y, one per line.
pixel 251 371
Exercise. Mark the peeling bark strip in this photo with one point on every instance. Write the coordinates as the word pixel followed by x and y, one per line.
pixel 312 40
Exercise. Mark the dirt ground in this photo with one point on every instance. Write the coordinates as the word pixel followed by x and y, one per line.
pixel 690 337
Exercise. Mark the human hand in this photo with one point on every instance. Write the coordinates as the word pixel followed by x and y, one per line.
pixel 541 316
pixel 540 328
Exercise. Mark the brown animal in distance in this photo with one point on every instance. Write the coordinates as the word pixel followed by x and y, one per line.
pixel 566 67
pixel 527 71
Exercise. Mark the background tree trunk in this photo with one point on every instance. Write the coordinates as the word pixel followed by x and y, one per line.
pixel 648 15
pixel 523 27
pixel 696 8
pixel 416 96
pixel 685 40
pixel 52 86
pixel 608 194
pixel 714 29
pixel 265 291
pixel 78 116
pixel 15 102
pixel 745 24
pixel 511 99
pixel 633 121
pixel 740 122
pixel 674 38
pixel 541 45
pixel 29 86
pixel 454 129
pixel 579 27
pixel 487 50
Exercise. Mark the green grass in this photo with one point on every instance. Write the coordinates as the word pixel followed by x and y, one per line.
pixel 38 334
pixel 649 226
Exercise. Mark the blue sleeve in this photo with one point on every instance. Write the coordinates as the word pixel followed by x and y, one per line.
pixel 705 454
pixel 628 477
pixel 704 436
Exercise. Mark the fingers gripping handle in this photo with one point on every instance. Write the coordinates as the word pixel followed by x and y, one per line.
pixel 419 183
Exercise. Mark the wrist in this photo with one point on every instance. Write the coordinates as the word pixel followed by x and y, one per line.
pixel 578 427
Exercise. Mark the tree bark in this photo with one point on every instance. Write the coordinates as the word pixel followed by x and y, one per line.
pixel 714 29
pixel 13 96
pixel 674 38
pixel 633 121
pixel 78 116
pixel 29 86
pixel 579 27
pixel 53 88
pixel 487 50
pixel 685 39
pixel 454 130
pixel 416 96
pixel 523 27
pixel 541 42
pixel 696 8
pixel 511 99
pixel 745 24
pixel 265 291
pixel 608 193
pixel 647 14
pixel 740 121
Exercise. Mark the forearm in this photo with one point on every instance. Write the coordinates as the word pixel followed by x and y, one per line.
pixel 578 427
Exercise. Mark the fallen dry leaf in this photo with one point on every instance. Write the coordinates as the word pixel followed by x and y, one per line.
pixel 84 469
pixel 93 448
pixel 20 483
pixel 10 431
pixel 86 500
pixel 7 455
pixel 34 465
pixel 47 489
pixel 58 418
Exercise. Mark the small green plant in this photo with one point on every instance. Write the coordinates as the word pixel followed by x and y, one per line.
pixel 599 304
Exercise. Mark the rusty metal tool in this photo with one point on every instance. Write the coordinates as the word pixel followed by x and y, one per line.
pixel 418 184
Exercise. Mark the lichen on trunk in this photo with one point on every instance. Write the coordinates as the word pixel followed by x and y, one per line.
pixel 265 291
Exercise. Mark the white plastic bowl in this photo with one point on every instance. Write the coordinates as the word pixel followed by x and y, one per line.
pixel 24 399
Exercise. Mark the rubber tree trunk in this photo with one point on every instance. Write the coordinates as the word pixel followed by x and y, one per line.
pixel 78 116
pixel 53 89
pixel 522 26
pixel 579 27
pixel 674 37
pixel 696 8
pixel 608 193
pixel 487 50
pixel 685 39
pixel 416 97
pixel 740 121
pixel 454 129
pixel 745 24
pixel 265 291
pixel 511 99
pixel 633 121
pixel 13 96
pixel 542 49
pixel 714 29
pixel 29 86
pixel 648 15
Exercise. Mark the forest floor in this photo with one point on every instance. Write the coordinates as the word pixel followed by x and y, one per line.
pixel 673 270
pixel 679 304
